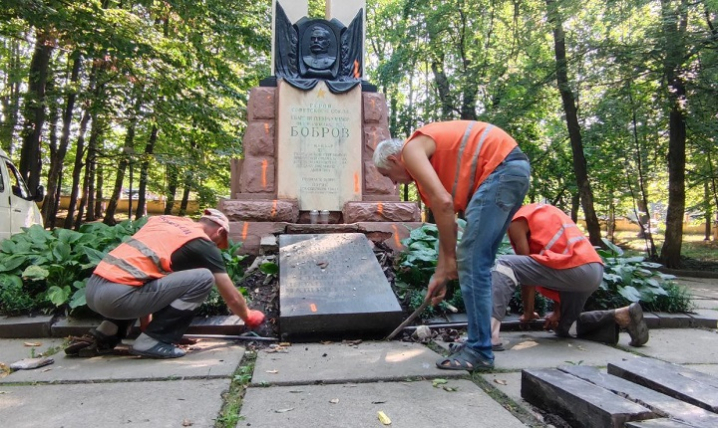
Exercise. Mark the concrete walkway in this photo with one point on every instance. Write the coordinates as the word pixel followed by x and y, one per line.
pixel 316 385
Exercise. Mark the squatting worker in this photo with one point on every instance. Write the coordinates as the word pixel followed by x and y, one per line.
pixel 478 169
pixel 554 257
pixel 166 270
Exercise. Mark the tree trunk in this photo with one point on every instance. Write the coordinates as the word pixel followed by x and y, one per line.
pixel 442 85
pixel 574 130
pixel 34 111
pixel 172 184
pixel 674 24
pixel 87 182
pixel 77 170
pixel 144 172
pixel 10 101
pixel 49 207
pixel 98 193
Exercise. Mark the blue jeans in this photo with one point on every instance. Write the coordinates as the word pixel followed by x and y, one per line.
pixel 488 215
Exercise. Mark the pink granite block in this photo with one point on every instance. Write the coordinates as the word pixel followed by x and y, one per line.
pixel 381 211
pixel 389 233
pixel 375 183
pixel 375 110
pixel 373 135
pixel 250 234
pixel 257 175
pixel 259 139
pixel 260 210
pixel 262 103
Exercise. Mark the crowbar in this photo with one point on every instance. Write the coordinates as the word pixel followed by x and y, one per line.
pixel 406 322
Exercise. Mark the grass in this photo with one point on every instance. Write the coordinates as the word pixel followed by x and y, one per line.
pixel 693 247
pixel 229 415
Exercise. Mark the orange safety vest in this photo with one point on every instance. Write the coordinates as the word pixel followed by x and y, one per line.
pixel 146 256
pixel 555 240
pixel 466 153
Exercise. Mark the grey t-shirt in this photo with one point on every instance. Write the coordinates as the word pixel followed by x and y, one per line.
pixel 198 253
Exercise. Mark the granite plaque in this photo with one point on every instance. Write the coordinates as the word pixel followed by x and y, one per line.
pixel 319 149
pixel 332 285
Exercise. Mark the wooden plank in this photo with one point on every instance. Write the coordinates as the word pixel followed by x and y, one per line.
pixel 671 379
pixel 580 403
pixel 660 404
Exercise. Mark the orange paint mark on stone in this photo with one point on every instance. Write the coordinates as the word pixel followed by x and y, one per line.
pixel 356 69
pixel 274 208
pixel 397 241
pixel 266 128
pixel 356 183
pixel 380 208
pixel 313 307
pixel 264 173
pixel 245 229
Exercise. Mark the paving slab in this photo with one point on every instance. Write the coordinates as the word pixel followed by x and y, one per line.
pixel 194 403
pixel 338 362
pixel 206 359
pixel 682 346
pixel 408 404
pixel 711 304
pixel 711 369
pixel 12 350
pixel 700 287
pixel 543 349
pixel 509 383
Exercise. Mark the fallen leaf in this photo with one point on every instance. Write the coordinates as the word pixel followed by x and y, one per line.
pixel 450 388
pixel 334 400
pixel 580 348
pixel 273 371
pixel 501 381
pixel 383 418
pixel 323 265
pixel 32 344
pixel 378 402
pixel 4 392
pixel 436 382
pixel 187 423
pixel 284 410
pixel 285 344
pixel 295 391
pixel 525 345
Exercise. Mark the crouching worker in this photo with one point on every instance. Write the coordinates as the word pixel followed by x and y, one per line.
pixel 165 270
pixel 553 256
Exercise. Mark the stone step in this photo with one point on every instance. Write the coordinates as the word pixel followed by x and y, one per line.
pixel 580 403
pixel 660 404
pixel 677 381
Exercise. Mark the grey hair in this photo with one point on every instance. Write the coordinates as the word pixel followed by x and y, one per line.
pixel 386 148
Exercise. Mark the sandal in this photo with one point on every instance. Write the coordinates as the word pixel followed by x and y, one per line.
pixel 465 359
pixel 160 350
pixel 455 347
pixel 637 328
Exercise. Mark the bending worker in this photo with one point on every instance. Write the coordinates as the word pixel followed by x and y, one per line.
pixel 166 270
pixel 553 254
pixel 470 167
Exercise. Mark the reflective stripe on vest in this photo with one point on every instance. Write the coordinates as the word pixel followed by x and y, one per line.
pixel 462 147
pixel 132 270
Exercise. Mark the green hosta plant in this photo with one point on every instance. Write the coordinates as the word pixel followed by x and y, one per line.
pixel 633 279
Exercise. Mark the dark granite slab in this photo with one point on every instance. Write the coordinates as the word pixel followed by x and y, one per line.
pixel 680 382
pixel 332 284
pixel 580 403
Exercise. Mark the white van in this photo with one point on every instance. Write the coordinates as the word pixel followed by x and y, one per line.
pixel 18 206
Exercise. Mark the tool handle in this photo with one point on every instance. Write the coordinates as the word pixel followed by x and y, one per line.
pixel 406 322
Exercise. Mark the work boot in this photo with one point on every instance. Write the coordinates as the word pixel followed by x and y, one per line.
pixel 631 318
pixel 92 344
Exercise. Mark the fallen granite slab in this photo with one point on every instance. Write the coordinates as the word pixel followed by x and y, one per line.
pixel 580 403
pixel 661 404
pixel 658 423
pixel 343 362
pixel 407 404
pixel 674 380
pixel 177 403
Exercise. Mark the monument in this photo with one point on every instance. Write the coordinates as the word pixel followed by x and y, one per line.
pixel 307 176
pixel 311 131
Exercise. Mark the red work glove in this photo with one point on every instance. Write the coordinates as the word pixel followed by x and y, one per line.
pixel 254 319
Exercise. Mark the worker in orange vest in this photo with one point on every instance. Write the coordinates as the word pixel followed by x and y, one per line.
pixel 554 257
pixel 166 271
pixel 475 168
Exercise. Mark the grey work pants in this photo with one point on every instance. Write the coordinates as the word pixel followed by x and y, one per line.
pixel 575 285
pixel 172 300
